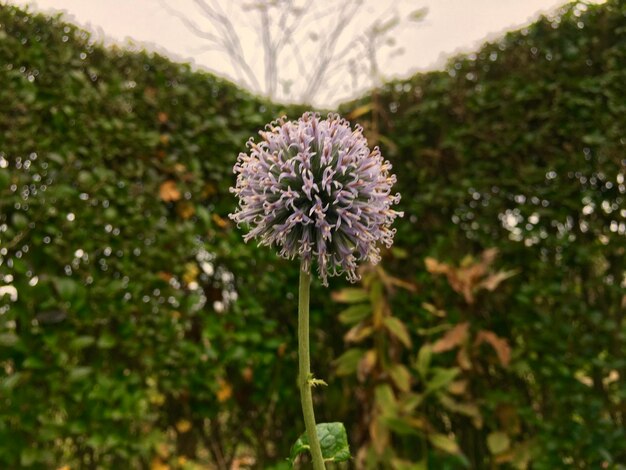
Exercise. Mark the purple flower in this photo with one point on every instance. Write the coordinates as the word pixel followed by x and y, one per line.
pixel 314 189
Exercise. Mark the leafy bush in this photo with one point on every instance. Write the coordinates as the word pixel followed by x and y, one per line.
pixel 521 147
pixel 125 335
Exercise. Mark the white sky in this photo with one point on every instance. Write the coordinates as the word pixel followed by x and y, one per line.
pixel 450 26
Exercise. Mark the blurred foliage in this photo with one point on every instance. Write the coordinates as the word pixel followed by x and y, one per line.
pixel 521 147
pixel 417 407
pixel 137 330
pixel 125 338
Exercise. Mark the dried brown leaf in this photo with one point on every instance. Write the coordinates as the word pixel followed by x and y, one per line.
pixel 224 392
pixel 221 223
pixel 358 333
pixel 458 388
pixel 435 267
pixel 391 282
pixel 463 359
pixel 366 364
pixel 492 281
pixel 157 464
pixel 500 345
pixel 245 461
pixel 165 276
pixel 379 435
pixel 509 419
pixel 469 276
pixel 183 426
pixel 185 210
pixel 430 308
pixel 489 255
pixel 360 111
pixel 453 338
pixel 168 191
pixel 248 374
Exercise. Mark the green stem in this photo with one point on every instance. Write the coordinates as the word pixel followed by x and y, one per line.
pixel 306 397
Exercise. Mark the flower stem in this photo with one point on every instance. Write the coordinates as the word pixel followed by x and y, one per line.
pixel 306 397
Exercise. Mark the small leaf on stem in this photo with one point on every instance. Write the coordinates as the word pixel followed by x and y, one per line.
pixel 333 441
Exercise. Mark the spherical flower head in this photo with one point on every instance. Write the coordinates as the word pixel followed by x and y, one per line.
pixel 313 188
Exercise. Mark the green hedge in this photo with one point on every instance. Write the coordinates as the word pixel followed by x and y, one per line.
pixel 112 214
pixel 522 147
pixel 144 328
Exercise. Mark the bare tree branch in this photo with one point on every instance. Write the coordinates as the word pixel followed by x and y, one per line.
pixel 285 29
pixel 231 41
pixel 344 18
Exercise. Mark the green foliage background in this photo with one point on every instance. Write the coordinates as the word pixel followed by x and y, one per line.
pixel 142 319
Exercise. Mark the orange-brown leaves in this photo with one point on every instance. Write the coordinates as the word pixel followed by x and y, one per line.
pixel 471 275
pixel 453 338
pixel 168 191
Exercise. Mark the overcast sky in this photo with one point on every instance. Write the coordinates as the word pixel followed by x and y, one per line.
pixel 450 26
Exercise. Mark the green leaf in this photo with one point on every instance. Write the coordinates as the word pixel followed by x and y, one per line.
pixel 498 442
pixel 423 360
pixel 386 400
pixel 8 339
pixel 401 377
pixel 4 176
pixel 401 426
pixel 66 287
pixel 347 363
pixel 79 373
pixel 398 464
pixel 350 295
pixel 355 314
pixel 106 341
pixel 333 442
pixel 20 221
pixel 81 342
pixel 399 253
pixel 441 378
pixel 19 266
pixel 445 443
pixel 467 409
pixel 55 157
pixel 11 381
pixel 434 330
pixel 398 329
pixel 376 293
pixel 28 456
pixel 410 401
pixel 33 363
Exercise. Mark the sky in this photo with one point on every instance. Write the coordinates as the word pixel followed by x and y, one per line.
pixel 449 27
